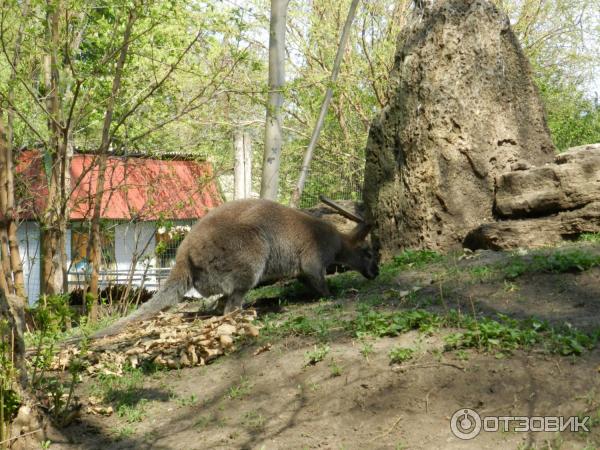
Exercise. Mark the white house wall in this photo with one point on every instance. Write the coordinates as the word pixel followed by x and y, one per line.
pixel 133 239
pixel 130 239
pixel 28 235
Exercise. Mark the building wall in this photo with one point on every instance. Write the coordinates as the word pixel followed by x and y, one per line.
pixel 28 234
pixel 130 239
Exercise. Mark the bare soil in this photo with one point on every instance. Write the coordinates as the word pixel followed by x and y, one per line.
pixel 354 398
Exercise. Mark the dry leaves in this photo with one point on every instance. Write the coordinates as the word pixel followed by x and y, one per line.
pixel 172 340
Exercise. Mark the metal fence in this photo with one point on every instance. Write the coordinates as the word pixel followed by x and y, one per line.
pixel 335 182
pixel 151 279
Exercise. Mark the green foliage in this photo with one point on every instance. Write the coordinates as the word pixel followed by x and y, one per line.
pixel 253 420
pixel 488 334
pixel 589 237
pixel 416 258
pixel 9 399
pixel 316 355
pixel 240 390
pixel 375 323
pixel 399 355
pixel 574 260
pixel 508 334
pixel 573 119
pixel 299 325
pixel 124 392
pixel 336 370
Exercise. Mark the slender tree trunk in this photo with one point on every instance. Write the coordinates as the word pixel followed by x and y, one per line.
pixel 8 211
pixel 248 164
pixel 239 182
pixel 95 236
pixel 53 225
pixel 5 276
pixel 9 245
pixel 273 132
pixel 326 101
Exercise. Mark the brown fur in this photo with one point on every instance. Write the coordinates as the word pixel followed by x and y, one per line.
pixel 246 242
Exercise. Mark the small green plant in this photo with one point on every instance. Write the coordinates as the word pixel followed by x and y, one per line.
pixel 399 355
pixel 123 432
pixel 481 273
pixel 132 412
pixel 575 260
pixel 253 420
pixel 377 324
pixel 515 268
pixel 317 354
pixel 240 390
pixel 566 261
pixel 188 401
pixel 124 393
pixel 366 349
pixel 589 237
pixel 203 421
pixel 462 355
pixel 416 258
pixel 510 286
pixel 336 371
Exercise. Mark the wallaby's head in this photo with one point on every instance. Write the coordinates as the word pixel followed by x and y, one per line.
pixel 362 256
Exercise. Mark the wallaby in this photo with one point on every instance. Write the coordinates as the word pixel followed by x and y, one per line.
pixel 245 242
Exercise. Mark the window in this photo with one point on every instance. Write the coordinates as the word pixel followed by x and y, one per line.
pixel 79 243
pixel 168 238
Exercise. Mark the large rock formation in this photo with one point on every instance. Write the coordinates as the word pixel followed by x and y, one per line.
pixel 545 205
pixel 464 109
pixel 572 182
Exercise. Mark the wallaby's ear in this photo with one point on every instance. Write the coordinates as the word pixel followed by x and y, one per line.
pixel 360 232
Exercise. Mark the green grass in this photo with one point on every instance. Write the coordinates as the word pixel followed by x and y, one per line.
pixel 253 420
pixel 589 237
pixel 125 393
pixel 499 334
pixel 240 390
pixel 416 259
pixel 559 261
pixel 316 355
pixel 399 355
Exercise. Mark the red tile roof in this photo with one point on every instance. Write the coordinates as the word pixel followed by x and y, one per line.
pixel 134 188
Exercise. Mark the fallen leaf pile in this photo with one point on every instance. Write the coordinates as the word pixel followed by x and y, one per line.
pixel 171 340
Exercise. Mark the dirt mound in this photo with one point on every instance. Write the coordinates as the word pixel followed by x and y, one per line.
pixel 464 109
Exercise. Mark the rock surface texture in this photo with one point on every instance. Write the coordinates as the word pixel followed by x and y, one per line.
pixel 546 204
pixel 463 111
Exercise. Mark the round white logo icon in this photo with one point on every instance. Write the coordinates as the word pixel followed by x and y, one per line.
pixel 465 424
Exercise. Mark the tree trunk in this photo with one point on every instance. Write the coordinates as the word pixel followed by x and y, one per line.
pixel 94 249
pixel 239 184
pixel 248 164
pixel 328 95
pixel 273 133
pixel 53 225
pixel 11 260
pixel 12 309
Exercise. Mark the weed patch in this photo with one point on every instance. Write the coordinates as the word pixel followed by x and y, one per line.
pixel 416 259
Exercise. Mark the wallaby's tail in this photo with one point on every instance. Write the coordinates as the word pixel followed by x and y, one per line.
pixel 178 283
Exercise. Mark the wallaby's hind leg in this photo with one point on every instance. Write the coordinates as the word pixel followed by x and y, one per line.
pixel 316 280
pixel 234 301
